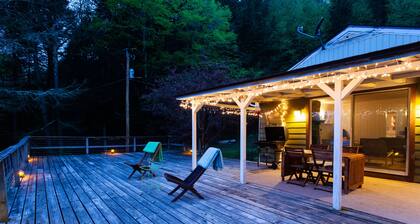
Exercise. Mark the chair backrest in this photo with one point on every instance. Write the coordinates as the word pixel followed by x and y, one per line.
pixel 320 147
pixel 294 156
pixel 151 148
pixel 351 149
pixel 321 156
pixel 208 157
pixel 195 175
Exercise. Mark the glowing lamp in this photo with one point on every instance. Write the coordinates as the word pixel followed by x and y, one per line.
pixel 112 151
pixel 299 116
pixel 21 174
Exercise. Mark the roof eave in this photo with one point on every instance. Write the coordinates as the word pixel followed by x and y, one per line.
pixel 359 60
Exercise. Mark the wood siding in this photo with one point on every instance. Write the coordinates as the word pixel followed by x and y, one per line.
pixel 416 176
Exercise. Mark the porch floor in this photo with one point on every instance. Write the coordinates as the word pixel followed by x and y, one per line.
pixel 95 189
pixel 397 200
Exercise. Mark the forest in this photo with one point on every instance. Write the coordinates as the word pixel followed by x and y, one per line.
pixel 63 63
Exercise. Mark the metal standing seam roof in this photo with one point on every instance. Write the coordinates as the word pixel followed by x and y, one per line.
pixel 358 40
pixel 355 46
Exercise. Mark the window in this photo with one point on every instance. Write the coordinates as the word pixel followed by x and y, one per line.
pixel 322 111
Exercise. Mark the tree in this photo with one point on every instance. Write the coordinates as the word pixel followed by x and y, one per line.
pixel 267 36
pixel 340 16
pixel 164 37
pixel 171 118
pixel 34 33
pixel 404 13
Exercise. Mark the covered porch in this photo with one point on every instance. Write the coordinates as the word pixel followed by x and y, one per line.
pixel 391 69
pixel 378 196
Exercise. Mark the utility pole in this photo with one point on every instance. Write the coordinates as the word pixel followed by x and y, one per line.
pixel 127 100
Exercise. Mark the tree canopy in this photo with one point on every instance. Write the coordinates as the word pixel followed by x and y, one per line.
pixel 73 52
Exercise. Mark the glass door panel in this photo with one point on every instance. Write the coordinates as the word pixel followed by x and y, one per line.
pixel 380 128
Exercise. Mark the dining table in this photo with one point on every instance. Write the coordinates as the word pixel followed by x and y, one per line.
pixel 353 169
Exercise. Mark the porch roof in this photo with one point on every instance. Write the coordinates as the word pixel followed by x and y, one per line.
pixel 387 63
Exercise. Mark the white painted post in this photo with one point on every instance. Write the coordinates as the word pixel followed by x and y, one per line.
pixel 195 107
pixel 338 94
pixel 243 104
pixel 338 147
pixel 242 164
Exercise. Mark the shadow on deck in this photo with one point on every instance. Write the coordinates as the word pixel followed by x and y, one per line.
pixel 95 189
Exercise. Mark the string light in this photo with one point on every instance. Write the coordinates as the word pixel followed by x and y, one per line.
pixel 363 72
pixel 280 109
pixel 220 109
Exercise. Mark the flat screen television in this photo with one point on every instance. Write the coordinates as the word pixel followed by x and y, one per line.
pixel 274 134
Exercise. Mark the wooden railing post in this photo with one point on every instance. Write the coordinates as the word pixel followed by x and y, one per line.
pixel 16 166
pixel 26 151
pixel 134 144
pixel 4 211
pixel 87 145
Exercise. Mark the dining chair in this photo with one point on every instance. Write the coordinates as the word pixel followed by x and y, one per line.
pixel 320 147
pixel 321 161
pixel 297 164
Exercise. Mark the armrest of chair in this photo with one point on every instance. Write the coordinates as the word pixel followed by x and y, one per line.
pixel 173 179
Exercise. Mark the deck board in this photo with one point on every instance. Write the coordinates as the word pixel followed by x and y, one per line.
pixel 95 189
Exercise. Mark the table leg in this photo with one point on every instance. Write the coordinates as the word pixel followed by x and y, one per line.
pixel 346 175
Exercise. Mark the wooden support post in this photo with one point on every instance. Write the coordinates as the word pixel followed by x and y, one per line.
pixel 4 211
pixel 338 94
pixel 87 145
pixel 243 104
pixel 169 143
pixel 195 107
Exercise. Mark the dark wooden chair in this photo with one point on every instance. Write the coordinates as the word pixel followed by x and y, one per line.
pixel 321 159
pixel 144 165
pixel 320 147
pixel 187 184
pixel 295 161
pixel 351 149
pixel 212 157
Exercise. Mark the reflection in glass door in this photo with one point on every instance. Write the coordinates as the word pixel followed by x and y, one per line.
pixel 375 121
pixel 380 127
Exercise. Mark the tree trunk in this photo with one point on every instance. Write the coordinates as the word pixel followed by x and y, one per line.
pixel 52 54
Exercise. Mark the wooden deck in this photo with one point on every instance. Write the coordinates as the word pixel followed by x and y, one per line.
pixel 95 189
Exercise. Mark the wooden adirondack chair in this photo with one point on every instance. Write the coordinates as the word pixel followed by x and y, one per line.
pixel 188 183
pixel 152 152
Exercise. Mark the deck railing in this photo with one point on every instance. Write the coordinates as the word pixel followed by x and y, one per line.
pixel 95 144
pixel 12 160
pixel 15 158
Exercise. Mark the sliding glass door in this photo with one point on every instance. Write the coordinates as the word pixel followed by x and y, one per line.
pixel 375 121
pixel 381 129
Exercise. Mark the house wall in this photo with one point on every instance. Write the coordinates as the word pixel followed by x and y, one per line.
pixel 417 137
pixel 297 128
pixel 294 119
